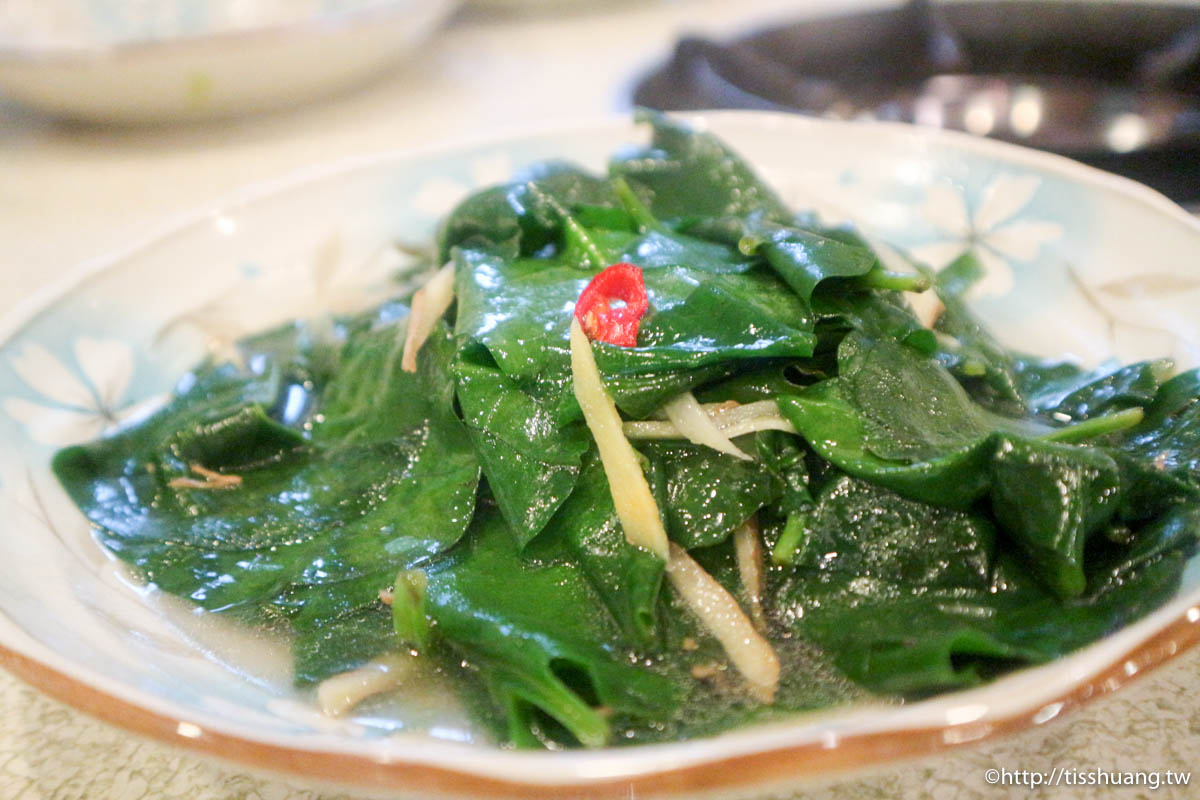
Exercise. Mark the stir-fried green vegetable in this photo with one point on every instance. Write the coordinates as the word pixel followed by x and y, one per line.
pixel 930 509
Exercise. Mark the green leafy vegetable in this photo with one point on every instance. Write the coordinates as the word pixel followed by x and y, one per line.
pixel 935 509
pixel 531 461
pixel 626 578
pixel 527 624
pixel 706 494
pixel 689 176
pixel 387 478
pixel 898 620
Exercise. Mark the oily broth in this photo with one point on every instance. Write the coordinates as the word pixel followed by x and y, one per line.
pixel 431 702
pixel 428 703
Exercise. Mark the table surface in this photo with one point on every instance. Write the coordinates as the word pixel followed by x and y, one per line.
pixel 69 193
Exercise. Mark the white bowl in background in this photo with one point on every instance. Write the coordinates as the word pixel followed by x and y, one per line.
pixel 173 61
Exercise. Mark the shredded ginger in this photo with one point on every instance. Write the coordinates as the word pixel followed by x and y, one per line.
pixel 631 495
pixel 429 303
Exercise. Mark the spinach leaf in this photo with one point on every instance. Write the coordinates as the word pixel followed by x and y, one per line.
pixel 689 174
pixel 663 248
pixel 754 316
pixel 626 578
pixel 802 257
pixel 785 456
pixel 987 370
pixel 533 627
pixel 874 585
pixel 719 322
pixel 910 598
pixel 520 309
pixel 1160 457
pixel 530 460
pixel 1169 434
pixel 877 315
pixel 1071 394
pixel 1049 498
pixel 372 401
pixel 833 426
pixel 900 420
pixel 700 325
pixel 913 408
pixel 706 494
pixel 388 478
pixel 341 643
pixel 526 216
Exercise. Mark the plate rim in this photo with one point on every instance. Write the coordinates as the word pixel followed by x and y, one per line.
pixel 750 771
pixel 743 769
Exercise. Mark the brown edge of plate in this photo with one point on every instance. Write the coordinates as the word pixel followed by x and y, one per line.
pixel 764 768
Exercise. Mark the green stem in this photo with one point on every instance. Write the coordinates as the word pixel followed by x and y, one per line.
pixel 633 204
pixel 553 697
pixel 1097 426
pixel 792 541
pixel 880 278
pixel 748 245
pixel 408 609
pixel 581 244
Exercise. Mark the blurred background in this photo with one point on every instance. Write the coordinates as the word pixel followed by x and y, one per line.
pixel 118 117
pixel 115 116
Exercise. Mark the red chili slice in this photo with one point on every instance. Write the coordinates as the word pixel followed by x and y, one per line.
pixel 595 312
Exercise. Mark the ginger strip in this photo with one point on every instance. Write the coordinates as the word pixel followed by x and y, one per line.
pixel 748 550
pixel 691 420
pixel 429 303
pixel 339 694
pixel 631 494
pixel 748 651
pixel 209 479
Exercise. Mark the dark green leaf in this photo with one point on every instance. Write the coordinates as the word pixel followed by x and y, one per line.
pixel 527 215
pixel 834 428
pixel 913 599
pixel 626 578
pixel 1160 457
pixel 530 460
pixel 522 623
pixel 1049 498
pixel 968 349
pixel 1081 395
pixel 343 643
pixel 912 407
pixel 706 494
pixel 1169 435
pixel 389 478
pixel 689 174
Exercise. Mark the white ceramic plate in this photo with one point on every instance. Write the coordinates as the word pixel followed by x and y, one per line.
pixel 1077 261
pixel 124 62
